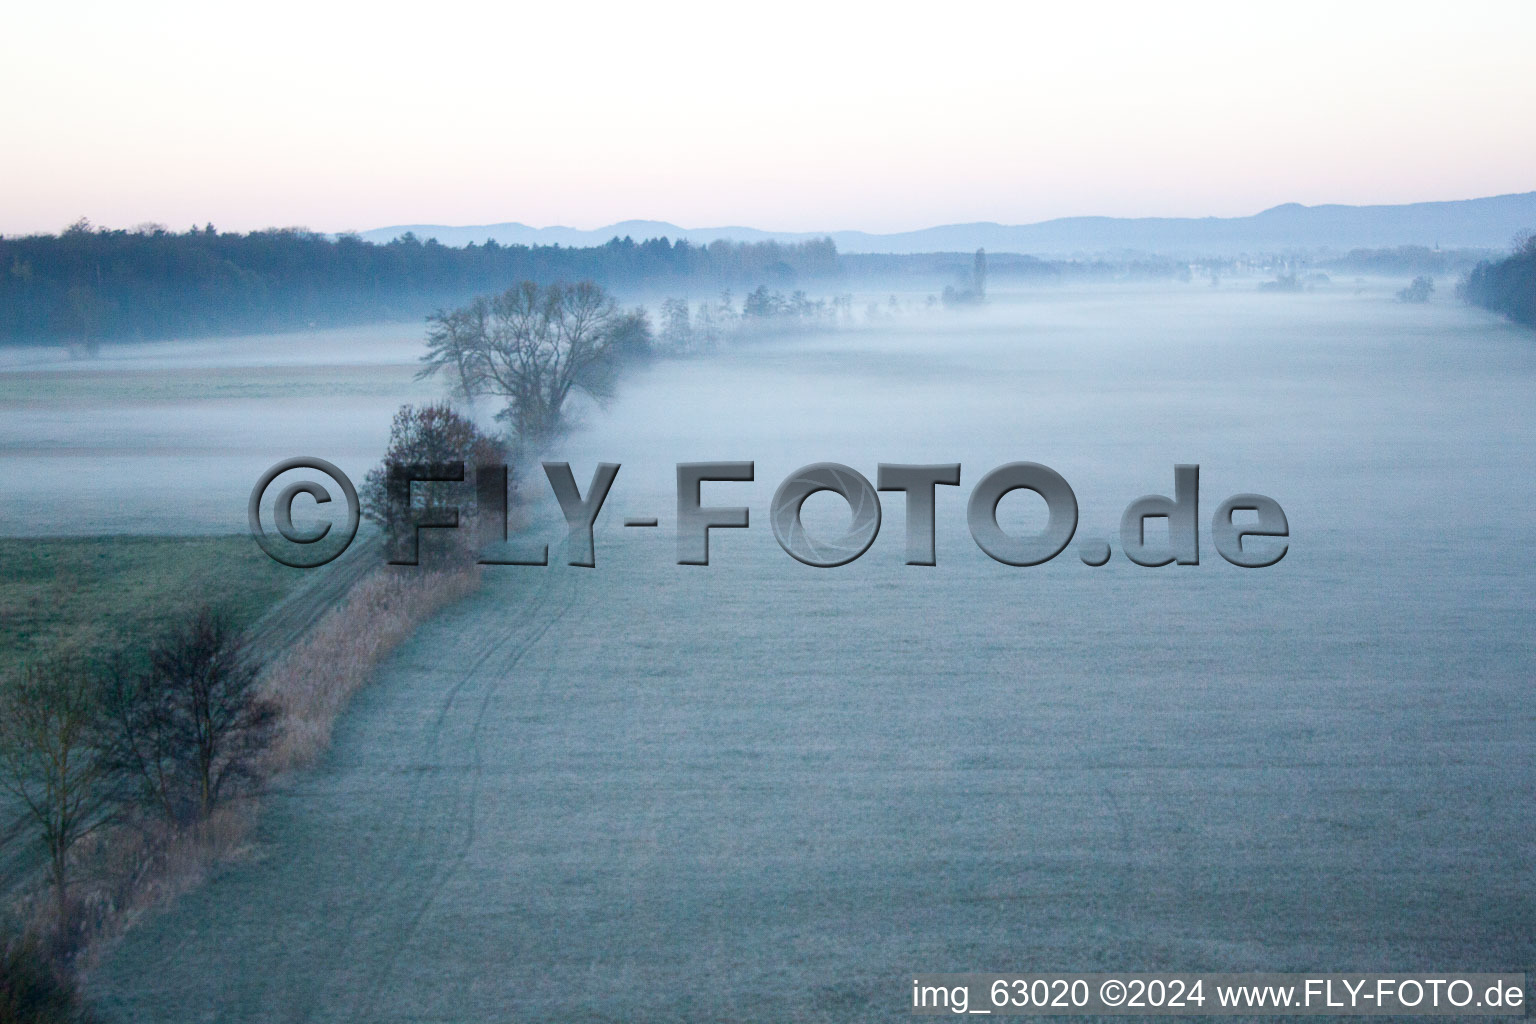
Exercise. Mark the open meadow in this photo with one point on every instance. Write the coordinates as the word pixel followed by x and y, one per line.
pixel 759 790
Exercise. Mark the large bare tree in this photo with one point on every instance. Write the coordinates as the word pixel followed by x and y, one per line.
pixel 532 347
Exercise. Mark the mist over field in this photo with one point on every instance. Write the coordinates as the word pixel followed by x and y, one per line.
pixel 647 791
pixel 321 321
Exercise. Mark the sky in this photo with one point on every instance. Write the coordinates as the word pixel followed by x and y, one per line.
pixel 794 116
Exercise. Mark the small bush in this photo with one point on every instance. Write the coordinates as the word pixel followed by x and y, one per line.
pixel 33 988
pixel 425 437
pixel 1419 291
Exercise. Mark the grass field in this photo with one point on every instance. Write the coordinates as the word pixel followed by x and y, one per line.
pixel 97 592
pixel 647 792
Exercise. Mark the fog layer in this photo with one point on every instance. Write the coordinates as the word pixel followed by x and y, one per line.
pixel 759 790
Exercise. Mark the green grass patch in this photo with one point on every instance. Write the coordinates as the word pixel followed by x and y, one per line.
pixel 96 593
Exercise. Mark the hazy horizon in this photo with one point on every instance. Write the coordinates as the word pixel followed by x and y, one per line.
pixel 849 229
pixel 811 229
pixel 1481 223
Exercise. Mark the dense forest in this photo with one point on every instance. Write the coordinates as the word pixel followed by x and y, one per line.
pixel 86 285
pixel 1508 286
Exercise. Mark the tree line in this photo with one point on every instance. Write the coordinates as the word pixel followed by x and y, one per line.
pixel 1507 286
pixel 691 328
pixel 86 285
pixel 143 742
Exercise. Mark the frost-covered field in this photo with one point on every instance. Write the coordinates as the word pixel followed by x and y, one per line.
pixel 763 791
pixel 167 438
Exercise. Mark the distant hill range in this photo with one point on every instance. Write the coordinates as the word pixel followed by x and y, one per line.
pixel 1489 223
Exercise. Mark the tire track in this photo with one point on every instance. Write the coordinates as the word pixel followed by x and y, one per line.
pixel 415 817
pixel 464 820
pixel 435 821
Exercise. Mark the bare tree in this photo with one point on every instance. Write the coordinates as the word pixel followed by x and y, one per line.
pixel 532 347
pixel 52 759
pixel 210 680
pixel 141 748
pixel 676 325
pixel 455 347
pixel 190 728
pixel 706 327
